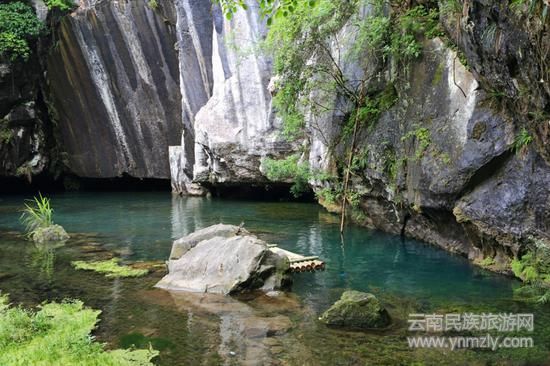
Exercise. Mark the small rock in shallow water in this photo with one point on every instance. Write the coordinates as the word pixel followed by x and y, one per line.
pixel 358 310
pixel 52 233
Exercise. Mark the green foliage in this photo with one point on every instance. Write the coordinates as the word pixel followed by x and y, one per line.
pixel 522 140
pixel 450 7
pixel 63 5
pixel 423 139
pixel 531 7
pixel 153 4
pixel 398 36
pixel 18 26
pixel 487 262
pixel 38 213
pixel 534 269
pixel 289 170
pixel 6 133
pixel 374 35
pixel 58 334
pixel 293 40
pixel 390 163
pixel 329 195
pixel 268 8
pixel 111 268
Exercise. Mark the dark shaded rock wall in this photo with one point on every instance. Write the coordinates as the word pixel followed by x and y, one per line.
pixel 24 140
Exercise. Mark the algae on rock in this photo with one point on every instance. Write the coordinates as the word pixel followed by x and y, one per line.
pixel 357 310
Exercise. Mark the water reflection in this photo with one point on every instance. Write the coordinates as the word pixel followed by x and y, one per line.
pixel 42 260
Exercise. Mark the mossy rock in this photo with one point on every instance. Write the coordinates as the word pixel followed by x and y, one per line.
pixel 49 234
pixel 357 310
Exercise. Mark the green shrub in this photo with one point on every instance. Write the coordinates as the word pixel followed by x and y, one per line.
pixel 153 4
pixel 487 262
pixel 329 195
pixel 289 170
pixel 111 268
pixel 58 334
pixel 522 140
pixel 63 5
pixel 423 138
pixel 38 213
pixel 18 26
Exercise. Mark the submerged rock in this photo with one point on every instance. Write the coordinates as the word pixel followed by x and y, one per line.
pixel 224 259
pixel 52 233
pixel 356 309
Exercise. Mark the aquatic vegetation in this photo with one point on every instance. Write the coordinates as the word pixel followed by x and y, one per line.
pixel 37 217
pixel 58 334
pixel 111 268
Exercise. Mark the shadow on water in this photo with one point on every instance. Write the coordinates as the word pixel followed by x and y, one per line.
pixel 407 275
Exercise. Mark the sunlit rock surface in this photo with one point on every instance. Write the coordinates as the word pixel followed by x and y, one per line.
pixel 223 259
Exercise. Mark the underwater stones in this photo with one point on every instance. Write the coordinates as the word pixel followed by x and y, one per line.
pixel 358 310
pixel 217 260
pixel 52 233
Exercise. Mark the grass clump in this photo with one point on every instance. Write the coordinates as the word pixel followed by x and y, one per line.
pixel 37 213
pixel 111 268
pixel 58 334
pixel 37 217
pixel 522 140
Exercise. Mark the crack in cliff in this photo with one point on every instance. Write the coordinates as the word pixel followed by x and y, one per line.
pixel 485 172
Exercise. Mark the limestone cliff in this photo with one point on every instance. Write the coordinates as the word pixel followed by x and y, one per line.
pixel 440 165
pixel 237 126
pixel 115 79
pixel 177 90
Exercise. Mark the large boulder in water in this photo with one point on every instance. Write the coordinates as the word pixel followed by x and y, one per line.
pixel 224 259
pixel 358 310
pixel 183 245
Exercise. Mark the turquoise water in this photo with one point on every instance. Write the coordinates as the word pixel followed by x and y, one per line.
pixel 141 226
pixel 146 223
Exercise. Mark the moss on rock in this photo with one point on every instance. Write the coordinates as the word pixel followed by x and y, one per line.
pixel 49 234
pixel 358 310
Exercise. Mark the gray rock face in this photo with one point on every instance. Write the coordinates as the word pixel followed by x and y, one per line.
pixel 183 245
pixel 237 127
pixel 217 260
pixel 119 85
pixel 49 234
pixel 358 310
pixel 129 81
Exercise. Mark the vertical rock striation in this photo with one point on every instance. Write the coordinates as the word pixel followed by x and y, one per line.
pixel 115 81
pixel 237 126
